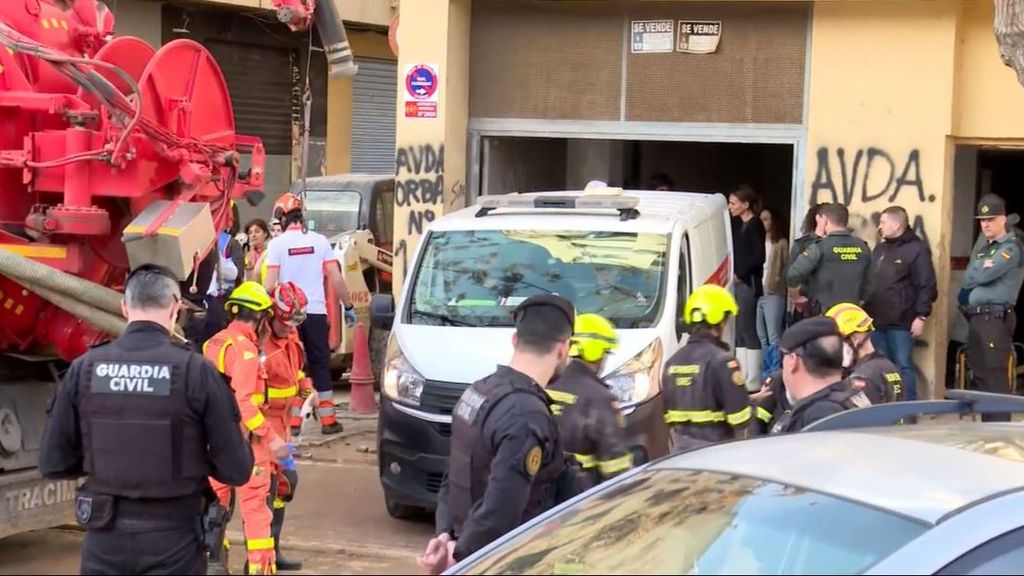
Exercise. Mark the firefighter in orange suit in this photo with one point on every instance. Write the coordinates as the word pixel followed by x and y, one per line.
pixel 283 359
pixel 235 352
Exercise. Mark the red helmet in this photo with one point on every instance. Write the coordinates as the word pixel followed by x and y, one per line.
pixel 287 203
pixel 290 303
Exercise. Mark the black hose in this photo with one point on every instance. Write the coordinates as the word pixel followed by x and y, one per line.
pixel 335 40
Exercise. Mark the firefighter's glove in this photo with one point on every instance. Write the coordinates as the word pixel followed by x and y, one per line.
pixel 350 317
pixel 287 458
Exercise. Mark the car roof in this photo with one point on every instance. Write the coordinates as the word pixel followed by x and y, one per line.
pixel 340 181
pixel 925 472
pixel 659 212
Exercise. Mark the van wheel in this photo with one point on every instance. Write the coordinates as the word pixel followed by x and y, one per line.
pixel 401 511
pixel 378 350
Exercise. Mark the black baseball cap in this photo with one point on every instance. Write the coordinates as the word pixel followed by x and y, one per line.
pixel 991 205
pixel 808 330
pixel 553 300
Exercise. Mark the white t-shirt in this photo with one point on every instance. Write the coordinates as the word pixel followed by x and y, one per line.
pixel 768 246
pixel 300 258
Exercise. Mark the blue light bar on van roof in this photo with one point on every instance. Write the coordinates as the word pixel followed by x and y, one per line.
pixel 624 205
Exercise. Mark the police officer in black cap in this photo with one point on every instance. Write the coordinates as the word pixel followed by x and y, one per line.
pixel 506 459
pixel 991 285
pixel 146 421
pixel 812 375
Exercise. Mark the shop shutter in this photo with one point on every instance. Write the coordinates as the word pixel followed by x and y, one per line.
pixel 374 95
pixel 260 81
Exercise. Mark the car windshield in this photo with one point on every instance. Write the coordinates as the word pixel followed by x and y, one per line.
pixel 477 277
pixel 331 212
pixel 694 522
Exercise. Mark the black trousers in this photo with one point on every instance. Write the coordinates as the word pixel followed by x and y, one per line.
pixel 177 550
pixel 989 354
pixel 315 334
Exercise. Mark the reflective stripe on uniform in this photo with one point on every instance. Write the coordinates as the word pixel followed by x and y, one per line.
pixel 260 544
pixel 707 416
pixel 563 397
pixel 228 342
pixel 585 460
pixel 693 416
pixel 325 410
pixel 616 465
pixel 276 394
pixel 739 417
pixel 763 415
pixel 278 504
pixel 255 422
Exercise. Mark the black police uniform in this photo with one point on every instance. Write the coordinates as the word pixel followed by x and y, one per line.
pixel 506 460
pixel 146 421
pixel 706 400
pixel 991 286
pixel 590 425
pixel 884 383
pixel 832 399
pixel 836 268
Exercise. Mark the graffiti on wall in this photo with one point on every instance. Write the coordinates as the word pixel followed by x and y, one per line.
pixel 868 180
pixel 419 198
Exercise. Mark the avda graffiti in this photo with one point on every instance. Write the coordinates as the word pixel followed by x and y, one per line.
pixel 867 180
pixel 419 184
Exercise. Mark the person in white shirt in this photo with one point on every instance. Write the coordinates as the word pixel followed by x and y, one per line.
pixel 306 258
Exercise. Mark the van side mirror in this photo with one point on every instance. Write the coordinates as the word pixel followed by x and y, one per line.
pixel 382 311
pixel 682 327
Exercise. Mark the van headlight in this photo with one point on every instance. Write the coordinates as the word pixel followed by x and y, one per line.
pixel 639 379
pixel 401 381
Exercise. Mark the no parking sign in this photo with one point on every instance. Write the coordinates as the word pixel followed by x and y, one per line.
pixel 421 83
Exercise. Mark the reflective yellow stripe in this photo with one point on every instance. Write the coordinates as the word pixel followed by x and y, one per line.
pixel 585 460
pixel 557 409
pixel 563 397
pixel 739 417
pixel 275 394
pixel 223 352
pixel 763 415
pixel 616 465
pixel 693 416
pixel 278 503
pixel 255 422
pixel 260 544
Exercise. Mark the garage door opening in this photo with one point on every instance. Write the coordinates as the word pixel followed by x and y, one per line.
pixel 514 164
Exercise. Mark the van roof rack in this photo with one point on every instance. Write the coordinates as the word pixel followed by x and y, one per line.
pixel 624 205
pixel 961 402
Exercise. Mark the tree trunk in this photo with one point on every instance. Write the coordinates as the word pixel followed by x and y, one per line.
pixel 1009 31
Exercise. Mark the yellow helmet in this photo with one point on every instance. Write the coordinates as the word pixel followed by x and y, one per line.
pixel 709 304
pixel 593 336
pixel 251 295
pixel 850 318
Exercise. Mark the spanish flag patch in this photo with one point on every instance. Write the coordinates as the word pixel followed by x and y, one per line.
pixel 1006 255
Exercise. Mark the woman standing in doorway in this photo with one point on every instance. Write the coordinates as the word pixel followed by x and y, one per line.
pixel 771 307
pixel 259 236
pixel 748 252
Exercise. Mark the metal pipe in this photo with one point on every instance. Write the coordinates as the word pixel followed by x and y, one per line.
pixel 26 271
pixel 335 40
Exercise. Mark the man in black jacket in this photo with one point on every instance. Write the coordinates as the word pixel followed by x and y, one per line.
pixel 904 292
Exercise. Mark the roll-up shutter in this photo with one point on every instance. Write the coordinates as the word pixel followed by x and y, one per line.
pixel 374 98
pixel 260 81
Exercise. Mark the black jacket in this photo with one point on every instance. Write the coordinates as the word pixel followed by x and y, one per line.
pixel 905 285
pixel 832 399
pixel 748 251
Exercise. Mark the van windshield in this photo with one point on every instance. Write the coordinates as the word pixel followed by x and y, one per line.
pixel 478 277
pixel 331 212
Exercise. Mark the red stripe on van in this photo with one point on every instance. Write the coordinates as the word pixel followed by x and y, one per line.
pixel 721 275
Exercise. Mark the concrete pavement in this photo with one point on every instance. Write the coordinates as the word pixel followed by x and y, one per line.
pixel 336 524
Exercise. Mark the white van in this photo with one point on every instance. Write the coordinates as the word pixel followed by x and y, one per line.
pixel 632 257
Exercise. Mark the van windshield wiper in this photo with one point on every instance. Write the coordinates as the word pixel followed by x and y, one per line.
pixel 444 318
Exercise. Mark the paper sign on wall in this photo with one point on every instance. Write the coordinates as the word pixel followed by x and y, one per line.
pixel 652 36
pixel 421 90
pixel 699 36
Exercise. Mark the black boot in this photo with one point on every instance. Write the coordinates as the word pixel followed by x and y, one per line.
pixel 276 523
pixel 334 428
pixel 218 562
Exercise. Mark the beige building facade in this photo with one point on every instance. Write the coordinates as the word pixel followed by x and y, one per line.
pixel 861 102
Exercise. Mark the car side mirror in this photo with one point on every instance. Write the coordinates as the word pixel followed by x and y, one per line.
pixel 682 327
pixel 382 311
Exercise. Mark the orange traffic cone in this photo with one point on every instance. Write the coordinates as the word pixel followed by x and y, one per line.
pixel 361 400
